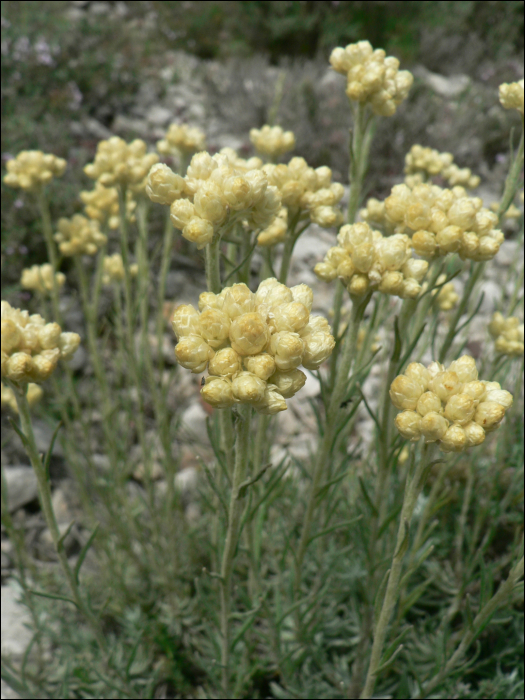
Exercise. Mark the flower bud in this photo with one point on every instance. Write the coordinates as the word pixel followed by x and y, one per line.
pixel 489 415
pixel 163 186
pixel 445 384
pixel 247 388
pixel 193 353
pixel 433 426
pixel 454 440
pixel 271 403
pixel 186 321
pixel 405 392
pixel 215 301
pixel 424 244
pixel 198 231
pixel 218 392
pixel 182 212
pixel 429 403
pixel 249 334
pixel 504 398
pixel 215 327
pixel 225 363
pixel 449 239
pixel 418 373
pixel 318 347
pixel 474 389
pixel 303 294
pixel 238 300
pixel 409 425
pixel 474 433
pixel 460 409
pixel 287 349
pixel 290 317
pixel 288 383
pixel 465 368
pixel 263 365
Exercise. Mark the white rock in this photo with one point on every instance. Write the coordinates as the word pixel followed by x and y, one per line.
pixel 15 616
pixel 449 87
pixel 159 116
pixel 194 422
pixel 21 486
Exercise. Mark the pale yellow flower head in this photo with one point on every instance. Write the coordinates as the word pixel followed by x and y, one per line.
pixel 252 343
pixel 120 163
pixel 307 192
pixel 511 96
pixel 507 334
pixel 366 260
pixel 438 220
pixel 40 278
pixel 31 170
pixel 213 192
pixel 181 138
pixel 372 77
pixel 79 236
pixel 449 406
pixel 113 269
pixel 272 141
pixel 427 162
pixel 101 204
pixel 31 348
pixel 33 395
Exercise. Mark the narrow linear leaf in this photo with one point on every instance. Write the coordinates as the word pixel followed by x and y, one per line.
pixel 243 261
pixel 415 595
pixel 339 526
pixel 249 482
pixel 367 497
pixel 387 663
pixel 370 412
pixel 62 537
pixel 49 452
pixel 378 603
pixel 20 434
pixel 392 516
pixel 52 596
pixel 83 552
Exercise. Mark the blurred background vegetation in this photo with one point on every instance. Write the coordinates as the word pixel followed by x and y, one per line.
pixel 67 62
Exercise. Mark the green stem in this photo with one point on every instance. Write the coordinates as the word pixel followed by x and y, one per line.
pixel 360 148
pixel 513 178
pixel 212 262
pixel 326 443
pixel 289 244
pixel 476 270
pixel 47 230
pixel 413 487
pixel 232 536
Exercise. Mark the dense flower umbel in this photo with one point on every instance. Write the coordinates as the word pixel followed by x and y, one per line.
pixel 372 77
pixel 40 278
pixel 508 334
pixel 34 394
pixel 364 260
pixel 307 189
pixel 511 96
pixel 439 221
pixel 79 236
pixel 120 163
pixel 113 269
pixel 182 139
pixel 211 194
pixel 30 170
pixel 448 405
pixel 252 344
pixel 31 347
pixel 428 161
pixel 272 141
pixel 101 204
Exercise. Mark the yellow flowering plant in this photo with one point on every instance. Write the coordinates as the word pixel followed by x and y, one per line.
pixel 325 526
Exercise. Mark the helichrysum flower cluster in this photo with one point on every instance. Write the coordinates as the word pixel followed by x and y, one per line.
pixel 272 141
pixel 366 260
pixel 448 405
pixel 40 278
pixel 31 348
pixel 79 236
pixel 33 395
pixel 212 192
pixel 508 334
pixel 101 204
pixel 120 163
pixel 113 269
pixel 447 297
pixel 431 162
pixel 252 343
pixel 307 189
pixel 181 138
pixel 439 221
pixel 372 77
pixel 30 170
pixel 511 96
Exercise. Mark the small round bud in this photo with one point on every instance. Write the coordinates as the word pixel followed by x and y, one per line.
pixel 405 392
pixel 238 300
pixel 263 365
pixel 247 388
pixel 218 392
pixel 287 349
pixel 418 373
pixel 215 327
pixel 454 440
pixel 504 398
pixel 429 403
pixel 460 409
pixel 409 425
pixel 249 334
pixel 186 321
pixel 225 363
pixel 445 384
pixel 193 353
pixel 489 415
pixel 271 403
pixel 474 433
pixel 433 426
pixel 288 383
